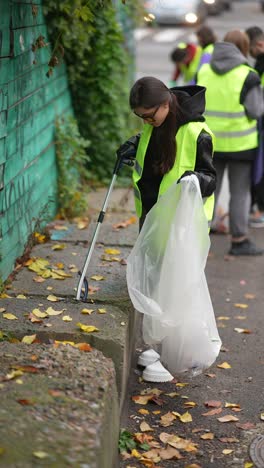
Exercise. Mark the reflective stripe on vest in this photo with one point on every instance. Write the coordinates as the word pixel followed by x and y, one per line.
pixel 186 141
pixel 225 116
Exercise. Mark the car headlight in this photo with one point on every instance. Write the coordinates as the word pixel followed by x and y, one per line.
pixel 191 18
pixel 149 18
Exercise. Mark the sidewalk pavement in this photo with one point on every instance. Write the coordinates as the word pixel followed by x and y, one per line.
pixel 61 403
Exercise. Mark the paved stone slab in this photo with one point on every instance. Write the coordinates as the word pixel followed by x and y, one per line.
pixel 61 411
pixel 113 337
pixel 112 289
pixel 121 199
pixel 108 235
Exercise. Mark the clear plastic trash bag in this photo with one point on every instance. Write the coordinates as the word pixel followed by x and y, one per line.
pixel 166 280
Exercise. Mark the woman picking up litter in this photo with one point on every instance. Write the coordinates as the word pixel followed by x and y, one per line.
pixel 175 142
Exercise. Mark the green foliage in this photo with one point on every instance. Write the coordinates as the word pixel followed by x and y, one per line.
pixel 126 441
pixel 98 63
pixel 72 173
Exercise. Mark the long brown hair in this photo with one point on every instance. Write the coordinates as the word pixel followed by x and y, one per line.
pixel 149 92
pixel 240 39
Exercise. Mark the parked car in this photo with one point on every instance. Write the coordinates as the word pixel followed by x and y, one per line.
pixel 215 7
pixel 188 12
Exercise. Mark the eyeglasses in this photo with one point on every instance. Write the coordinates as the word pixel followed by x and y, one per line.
pixel 149 117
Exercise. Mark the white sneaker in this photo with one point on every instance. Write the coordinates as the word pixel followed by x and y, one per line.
pixel 156 372
pixel 148 357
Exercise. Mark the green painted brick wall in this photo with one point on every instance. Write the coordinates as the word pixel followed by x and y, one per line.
pixel 29 105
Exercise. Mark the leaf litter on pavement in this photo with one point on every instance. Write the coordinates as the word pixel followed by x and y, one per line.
pixel 212 434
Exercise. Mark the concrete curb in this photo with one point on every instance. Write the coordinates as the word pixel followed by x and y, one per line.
pixel 116 326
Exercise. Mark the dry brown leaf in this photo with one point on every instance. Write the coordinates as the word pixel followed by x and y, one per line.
pixel 249 296
pixel 243 330
pixel 124 224
pixel 245 426
pixel 169 453
pixel 213 404
pixel 178 442
pixel 145 427
pixel 184 418
pixel 227 418
pixel 143 411
pixel 213 412
pixel 207 436
pixel 167 419
pixel 228 440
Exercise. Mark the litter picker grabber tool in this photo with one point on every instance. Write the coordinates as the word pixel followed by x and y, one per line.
pixel 125 155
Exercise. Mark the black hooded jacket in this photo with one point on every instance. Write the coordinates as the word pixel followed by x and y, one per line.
pixel 192 102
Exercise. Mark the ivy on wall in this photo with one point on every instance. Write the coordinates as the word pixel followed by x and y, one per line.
pixel 98 67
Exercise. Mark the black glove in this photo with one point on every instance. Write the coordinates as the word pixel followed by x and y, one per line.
pixel 185 174
pixel 127 151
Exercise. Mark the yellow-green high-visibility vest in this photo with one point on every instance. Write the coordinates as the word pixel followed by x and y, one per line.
pixel 225 116
pixel 208 49
pixel 189 71
pixel 262 80
pixel 186 141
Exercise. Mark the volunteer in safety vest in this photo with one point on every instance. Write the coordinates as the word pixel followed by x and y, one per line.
pixel 186 58
pixel 206 39
pixel 234 101
pixel 256 50
pixel 175 142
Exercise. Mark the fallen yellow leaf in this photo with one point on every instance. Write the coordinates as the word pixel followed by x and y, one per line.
pixel 40 454
pixel 21 296
pixel 87 328
pixel 39 314
pixel 227 451
pixel 242 330
pixel 9 316
pixel 248 465
pixel 58 247
pixel 135 453
pixel 112 251
pixel 67 318
pixel 97 277
pixel 223 318
pixel 52 298
pixel 241 306
pixel 28 339
pixel 184 418
pixel 143 411
pixel 87 311
pixel 50 311
pixel 102 311
pixel 224 365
